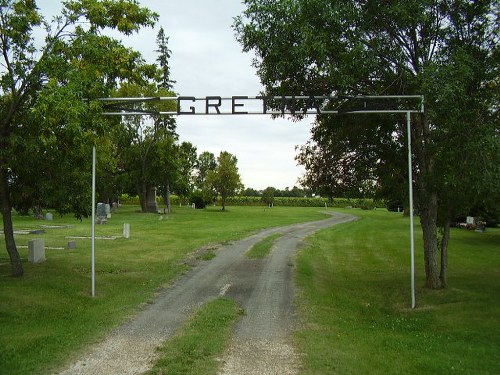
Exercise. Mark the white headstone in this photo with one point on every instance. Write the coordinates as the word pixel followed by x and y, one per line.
pixel 36 251
pixel 48 216
pixel 126 230
pixel 470 220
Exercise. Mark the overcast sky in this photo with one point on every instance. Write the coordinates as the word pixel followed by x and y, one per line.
pixel 207 60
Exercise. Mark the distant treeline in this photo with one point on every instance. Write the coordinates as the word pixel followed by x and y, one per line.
pixel 367 204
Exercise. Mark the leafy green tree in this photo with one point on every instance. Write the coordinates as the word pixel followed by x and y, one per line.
pixel 225 178
pixel 206 162
pixel 268 195
pixel 447 51
pixel 139 142
pixel 165 164
pixel 43 86
pixel 186 156
pixel 167 123
pixel 250 192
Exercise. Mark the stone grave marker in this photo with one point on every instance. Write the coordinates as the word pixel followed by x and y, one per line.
pixel 101 215
pixel 36 251
pixel 126 230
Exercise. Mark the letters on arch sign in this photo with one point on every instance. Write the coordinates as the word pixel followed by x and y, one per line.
pixel 244 105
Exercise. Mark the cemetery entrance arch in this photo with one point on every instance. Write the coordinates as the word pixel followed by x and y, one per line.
pixel 276 106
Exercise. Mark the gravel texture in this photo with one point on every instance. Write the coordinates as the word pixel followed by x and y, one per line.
pixel 263 287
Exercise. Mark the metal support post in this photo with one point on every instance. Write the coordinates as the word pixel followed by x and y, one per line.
pixel 93 220
pixel 410 195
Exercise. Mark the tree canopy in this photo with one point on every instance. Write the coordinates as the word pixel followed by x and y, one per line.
pixel 225 178
pixel 446 51
pixel 48 119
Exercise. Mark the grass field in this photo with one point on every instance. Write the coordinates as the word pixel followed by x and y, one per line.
pixel 48 315
pixel 355 302
pixel 354 292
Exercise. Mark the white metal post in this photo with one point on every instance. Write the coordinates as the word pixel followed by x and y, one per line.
pixel 93 220
pixel 410 194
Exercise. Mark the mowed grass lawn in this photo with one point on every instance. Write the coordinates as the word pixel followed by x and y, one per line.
pixel 355 302
pixel 353 282
pixel 48 315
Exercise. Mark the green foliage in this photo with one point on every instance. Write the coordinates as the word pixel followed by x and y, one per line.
pixel 355 295
pixel 206 162
pixel 198 198
pixel 225 178
pixel 133 200
pixel 446 51
pixel 268 195
pixel 51 73
pixel 204 338
pixel 307 202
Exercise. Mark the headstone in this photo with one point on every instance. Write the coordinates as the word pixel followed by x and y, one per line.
pixel 36 251
pixel 126 230
pixel 48 216
pixel 71 245
pixel 151 203
pixel 108 210
pixel 101 216
pixel 470 220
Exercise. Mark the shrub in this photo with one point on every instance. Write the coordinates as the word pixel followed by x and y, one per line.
pixel 198 199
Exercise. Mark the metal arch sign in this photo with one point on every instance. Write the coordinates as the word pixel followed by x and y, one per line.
pixel 264 105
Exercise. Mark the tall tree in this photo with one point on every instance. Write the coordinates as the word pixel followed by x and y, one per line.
pixel 43 85
pixel 163 59
pixel 186 159
pixel 268 195
pixel 167 123
pixel 445 50
pixel 206 162
pixel 225 178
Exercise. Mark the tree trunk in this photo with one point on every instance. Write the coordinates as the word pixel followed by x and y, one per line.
pixel 8 229
pixel 428 200
pixel 444 254
pixel 168 206
pixel 428 221
pixel 142 193
pixel 223 200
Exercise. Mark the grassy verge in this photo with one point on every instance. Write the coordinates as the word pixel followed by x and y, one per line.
pixel 47 316
pixel 262 248
pixel 355 298
pixel 203 339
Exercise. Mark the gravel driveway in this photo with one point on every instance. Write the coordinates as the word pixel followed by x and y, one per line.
pixel 263 287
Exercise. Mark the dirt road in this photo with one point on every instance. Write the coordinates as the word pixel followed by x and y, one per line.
pixel 264 288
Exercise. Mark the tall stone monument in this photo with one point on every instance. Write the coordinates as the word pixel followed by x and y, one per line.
pixel 151 203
